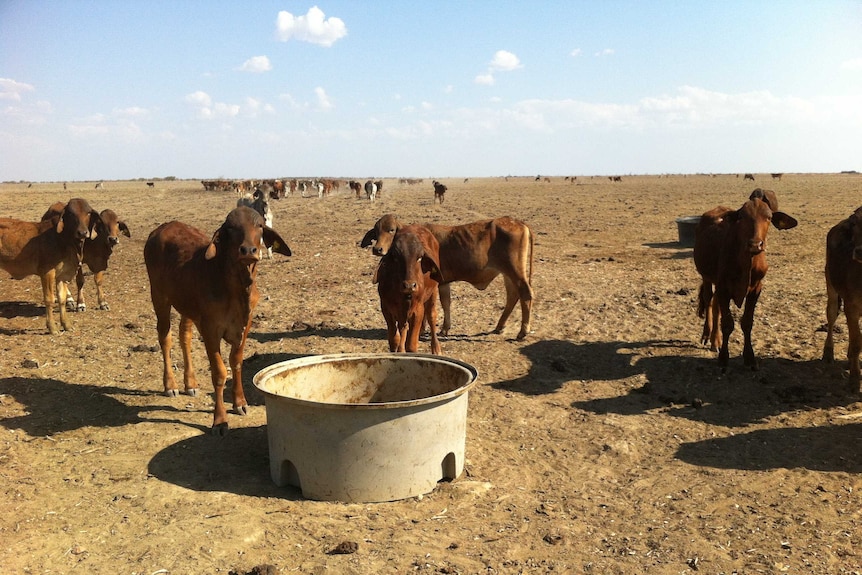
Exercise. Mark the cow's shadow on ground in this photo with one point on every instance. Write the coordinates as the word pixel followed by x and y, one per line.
pixel 236 463
pixel 308 330
pixel 13 309
pixel 681 385
pixel 822 448
pixel 54 406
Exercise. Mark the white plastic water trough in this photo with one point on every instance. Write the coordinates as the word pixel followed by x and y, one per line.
pixel 366 427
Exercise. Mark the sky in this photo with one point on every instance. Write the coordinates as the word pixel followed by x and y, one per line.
pixel 123 89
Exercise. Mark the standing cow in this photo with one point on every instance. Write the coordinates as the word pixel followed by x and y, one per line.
pixel 212 285
pixel 844 284
pixel 730 254
pixel 407 280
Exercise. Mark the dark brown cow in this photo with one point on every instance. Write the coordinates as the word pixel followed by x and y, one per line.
pixel 50 249
pixel 475 253
pixel 777 176
pixel 211 284
pixel 729 254
pixel 748 177
pixel 97 251
pixel 844 284
pixel 439 191
pixel 407 281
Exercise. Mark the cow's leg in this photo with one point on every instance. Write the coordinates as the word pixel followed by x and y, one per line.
pixel 240 404
pixel 392 334
pixel 515 292
pixel 726 330
pixel 186 333
pixel 854 346
pixel 63 294
pixel 413 328
pixel 98 279
pixel 431 320
pixel 219 377
pixel 714 314
pixel 446 302
pixel 80 305
pixel 48 299
pixel 833 302
pixel 746 323
pixel 162 310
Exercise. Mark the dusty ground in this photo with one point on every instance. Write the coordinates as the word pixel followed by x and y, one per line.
pixel 585 451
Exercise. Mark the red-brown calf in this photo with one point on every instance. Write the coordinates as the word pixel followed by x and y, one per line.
pixel 844 283
pixel 51 249
pixel 407 280
pixel 730 254
pixel 211 284
pixel 475 253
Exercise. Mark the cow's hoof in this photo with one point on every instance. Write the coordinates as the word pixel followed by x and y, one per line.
pixel 81 307
pixel 219 429
pixel 241 410
pixel 172 392
pixel 71 305
pixel 105 307
pixel 192 392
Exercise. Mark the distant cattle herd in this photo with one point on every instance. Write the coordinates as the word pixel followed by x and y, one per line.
pixel 210 280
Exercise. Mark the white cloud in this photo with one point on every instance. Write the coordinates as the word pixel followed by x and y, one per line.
pixel 313 27
pixel 256 65
pixel 131 111
pixel 605 52
pixel 504 61
pixel 12 90
pixel 199 99
pixel 448 89
pixel 323 101
pixel 485 79
pixel 854 65
pixel 575 53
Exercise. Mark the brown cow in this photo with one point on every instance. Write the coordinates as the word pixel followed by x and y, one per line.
pixel 844 284
pixel 407 280
pixel 748 177
pixel 475 253
pixel 211 283
pixel 50 249
pixel 729 253
pixel 97 251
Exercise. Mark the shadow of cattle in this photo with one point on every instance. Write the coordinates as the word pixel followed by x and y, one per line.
pixel 241 467
pixel 823 448
pixel 54 406
pixel 682 385
pixel 12 309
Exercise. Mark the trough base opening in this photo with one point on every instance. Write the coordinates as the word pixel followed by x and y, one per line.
pixel 289 474
pixel 449 467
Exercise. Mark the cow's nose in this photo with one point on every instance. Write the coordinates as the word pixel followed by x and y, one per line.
pixel 377 251
pixel 409 286
pixel 248 251
pixel 113 240
pixel 755 246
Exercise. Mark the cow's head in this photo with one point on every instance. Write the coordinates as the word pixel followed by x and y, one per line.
pixel 242 236
pixel 767 196
pixel 380 236
pixel 414 252
pixel 752 220
pixel 78 221
pixel 110 227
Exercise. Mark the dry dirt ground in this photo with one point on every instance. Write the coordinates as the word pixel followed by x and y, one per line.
pixel 607 442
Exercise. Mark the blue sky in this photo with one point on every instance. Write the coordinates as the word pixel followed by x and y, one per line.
pixel 198 89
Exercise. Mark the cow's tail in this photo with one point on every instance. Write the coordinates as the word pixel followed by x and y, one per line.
pixel 530 257
pixel 704 297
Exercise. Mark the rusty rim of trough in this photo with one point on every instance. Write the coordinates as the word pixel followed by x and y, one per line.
pixel 261 376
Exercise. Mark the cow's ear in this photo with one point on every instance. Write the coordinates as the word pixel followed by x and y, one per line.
pixel 125 229
pixel 59 226
pixel 97 225
pixel 212 249
pixel 369 238
pixel 274 241
pixel 430 265
pixel 782 221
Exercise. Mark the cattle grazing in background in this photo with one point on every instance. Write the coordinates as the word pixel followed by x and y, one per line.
pixel 776 176
pixel 439 191
pixel 370 190
pixel 356 187
pixel 748 177
pixel 407 280
pixel 99 186
pixel 844 285
pixel 259 202
pixel 51 249
pixel 475 253
pixel 730 256
pixel 97 250
pixel 211 283
pixel 151 184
